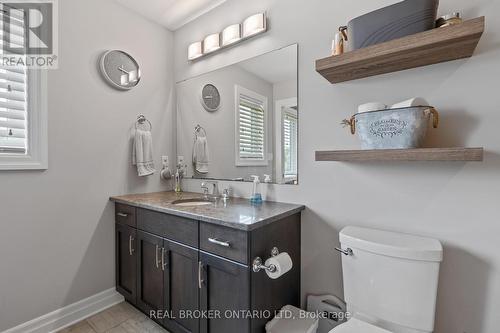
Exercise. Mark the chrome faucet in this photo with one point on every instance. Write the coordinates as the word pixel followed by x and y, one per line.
pixel 215 189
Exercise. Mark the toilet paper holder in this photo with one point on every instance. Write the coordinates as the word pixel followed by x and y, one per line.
pixel 258 264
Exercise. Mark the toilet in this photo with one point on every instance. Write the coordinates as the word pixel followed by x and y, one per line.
pixel 390 281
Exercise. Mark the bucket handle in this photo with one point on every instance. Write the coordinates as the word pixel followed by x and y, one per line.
pixel 351 123
pixel 343 31
pixel 435 116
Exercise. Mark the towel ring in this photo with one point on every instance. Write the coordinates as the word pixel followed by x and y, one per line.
pixel 199 129
pixel 141 119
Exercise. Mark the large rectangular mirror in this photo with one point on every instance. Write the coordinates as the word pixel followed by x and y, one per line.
pixel 242 120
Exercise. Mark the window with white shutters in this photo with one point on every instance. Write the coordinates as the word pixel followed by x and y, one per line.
pixel 23 99
pixel 290 133
pixel 251 125
pixel 13 89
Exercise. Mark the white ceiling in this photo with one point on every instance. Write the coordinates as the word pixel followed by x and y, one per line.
pixel 172 14
pixel 274 67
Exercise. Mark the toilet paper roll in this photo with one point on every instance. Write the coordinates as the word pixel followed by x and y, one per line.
pixel 283 264
pixel 417 101
pixel 374 106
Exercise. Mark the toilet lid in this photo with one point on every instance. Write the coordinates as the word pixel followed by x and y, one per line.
pixel 357 326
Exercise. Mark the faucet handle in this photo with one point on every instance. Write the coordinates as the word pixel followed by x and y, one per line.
pixel 216 188
pixel 225 193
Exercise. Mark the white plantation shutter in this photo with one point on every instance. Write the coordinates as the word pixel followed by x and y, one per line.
pixel 251 128
pixel 13 83
pixel 290 133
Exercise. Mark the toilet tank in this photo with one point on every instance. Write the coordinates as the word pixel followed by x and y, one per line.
pixel 391 279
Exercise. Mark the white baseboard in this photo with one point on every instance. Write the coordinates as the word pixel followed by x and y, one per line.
pixel 73 313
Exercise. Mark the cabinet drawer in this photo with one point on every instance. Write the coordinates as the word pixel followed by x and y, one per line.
pixel 176 228
pixel 225 242
pixel 125 214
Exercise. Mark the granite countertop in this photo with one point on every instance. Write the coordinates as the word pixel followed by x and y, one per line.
pixel 237 213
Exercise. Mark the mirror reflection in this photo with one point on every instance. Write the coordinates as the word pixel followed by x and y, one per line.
pixel 242 120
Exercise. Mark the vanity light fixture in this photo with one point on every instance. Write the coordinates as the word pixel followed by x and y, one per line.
pixel 254 25
pixel 233 34
pixel 211 43
pixel 195 50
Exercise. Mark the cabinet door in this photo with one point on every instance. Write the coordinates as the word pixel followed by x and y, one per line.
pixel 149 273
pixel 126 262
pixel 181 288
pixel 225 291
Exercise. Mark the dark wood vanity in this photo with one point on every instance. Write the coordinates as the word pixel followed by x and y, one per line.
pixel 191 268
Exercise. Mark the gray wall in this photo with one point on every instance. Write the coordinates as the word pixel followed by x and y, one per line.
pixel 284 90
pixel 455 202
pixel 219 125
pixel 57 237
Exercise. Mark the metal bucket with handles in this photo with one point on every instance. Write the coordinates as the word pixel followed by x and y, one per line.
pixel 403 128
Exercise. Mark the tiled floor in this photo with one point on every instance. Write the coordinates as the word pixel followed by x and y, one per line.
pixel 121 318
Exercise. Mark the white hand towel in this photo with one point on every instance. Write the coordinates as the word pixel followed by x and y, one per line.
pixel 201 155
pixel 142 153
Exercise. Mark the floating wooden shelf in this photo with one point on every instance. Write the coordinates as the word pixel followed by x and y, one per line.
pixel 423 154
pixel 422 49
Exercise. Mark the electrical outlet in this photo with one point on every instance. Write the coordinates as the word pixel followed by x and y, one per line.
pixel 164 160
pixel 180 160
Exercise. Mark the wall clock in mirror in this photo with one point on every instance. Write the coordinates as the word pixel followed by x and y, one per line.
pixel 120 70
pixel 210 98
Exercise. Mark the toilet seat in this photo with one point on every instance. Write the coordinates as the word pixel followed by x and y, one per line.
pixel 354 325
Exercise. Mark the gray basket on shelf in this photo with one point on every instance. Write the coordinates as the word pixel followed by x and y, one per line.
pixel 399 20
pixel 403 128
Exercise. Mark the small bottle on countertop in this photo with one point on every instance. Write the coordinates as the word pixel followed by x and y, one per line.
pixel 256 197
pixel 179 173
pixel 178 188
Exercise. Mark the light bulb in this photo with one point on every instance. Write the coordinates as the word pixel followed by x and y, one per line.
pixel 211 43
pixel 254 25
pixel 195 50
pixel 231 34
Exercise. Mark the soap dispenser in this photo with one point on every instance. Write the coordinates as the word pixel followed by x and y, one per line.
pixel 179 173
pixel 256 197
pixel 177 177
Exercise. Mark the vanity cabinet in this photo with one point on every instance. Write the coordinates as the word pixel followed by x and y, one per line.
pixel 225 288
pixel 150 269
pixel 126 261
pixel 167 282
pixel 182 289
pixel 196 277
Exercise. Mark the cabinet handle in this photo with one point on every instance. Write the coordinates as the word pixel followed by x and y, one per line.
pixel 130 248
pixel 122 214
pixel 219 242
pixel 163 263
pixel 200 275
pixel 157 260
